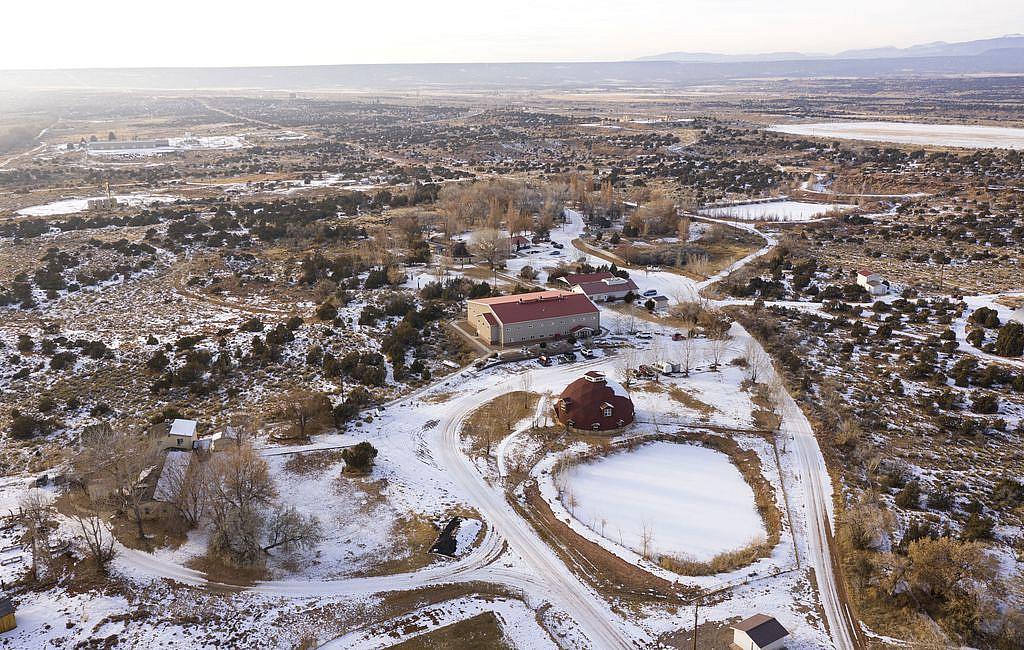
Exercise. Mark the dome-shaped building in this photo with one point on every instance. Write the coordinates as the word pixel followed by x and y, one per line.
pixel 594 403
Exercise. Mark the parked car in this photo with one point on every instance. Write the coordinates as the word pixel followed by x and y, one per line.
pixel 568 357
pixel 644 335
pixel 678 336
pixel 557 245
pixel 556 252
pixel 544 360
pixel 587 353
pixel 651 292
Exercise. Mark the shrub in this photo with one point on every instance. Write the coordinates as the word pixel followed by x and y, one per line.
pixel 359 458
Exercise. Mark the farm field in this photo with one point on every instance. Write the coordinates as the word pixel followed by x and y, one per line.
pixel 777 211
pixel 937 135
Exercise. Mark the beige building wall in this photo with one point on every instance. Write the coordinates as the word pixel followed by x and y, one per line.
pixel 547 328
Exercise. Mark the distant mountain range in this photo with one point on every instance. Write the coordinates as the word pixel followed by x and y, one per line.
pixel 938 48
pixel 997 56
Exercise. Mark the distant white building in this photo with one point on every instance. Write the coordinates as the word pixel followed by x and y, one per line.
pixel 759 632
pixel 872 282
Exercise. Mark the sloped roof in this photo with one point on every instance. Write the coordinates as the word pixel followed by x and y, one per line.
pixel 572 279
pixel 183 428
pixel 538 305
pixel 762 629
pixel 607 285
pixel 583 402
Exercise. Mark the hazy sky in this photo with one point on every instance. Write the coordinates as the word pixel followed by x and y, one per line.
pixel 108 33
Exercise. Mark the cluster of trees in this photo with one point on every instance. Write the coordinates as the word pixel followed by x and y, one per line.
pixel 1009 341
pixel 955 581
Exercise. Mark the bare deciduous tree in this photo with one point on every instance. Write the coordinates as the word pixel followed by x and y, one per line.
pixel 35 511
pixel 307 411
pixel 95 533
pixel 287 528
pixel 121 462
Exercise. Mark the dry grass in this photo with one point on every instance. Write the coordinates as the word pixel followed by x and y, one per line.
pixel 490 423
pixel 308 462
pixel 687 399
pixel 480 631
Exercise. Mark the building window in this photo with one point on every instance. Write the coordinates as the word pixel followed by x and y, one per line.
pixel 608 412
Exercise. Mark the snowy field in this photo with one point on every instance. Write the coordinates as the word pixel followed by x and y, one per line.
pixel 776 211
pixel 692 500
pixel 73 206
pixel 939 135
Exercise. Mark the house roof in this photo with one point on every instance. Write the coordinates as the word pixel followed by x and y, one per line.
pixel 608 285
pixel 584 400
pixel 866 272
pixel 538 306
pixel 183 428
pixel 489 317
pixel 572 279
pixel 762 629
pixel 6 606
pixel 174 464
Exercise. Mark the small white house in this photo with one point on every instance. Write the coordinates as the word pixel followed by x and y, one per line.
pixel 872 282
pixel 181 435
pixel 759 632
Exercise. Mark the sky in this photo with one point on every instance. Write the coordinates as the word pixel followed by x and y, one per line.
pixel 141 33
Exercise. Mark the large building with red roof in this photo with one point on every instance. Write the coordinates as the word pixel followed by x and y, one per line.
pixel 529 317
pixel 594 403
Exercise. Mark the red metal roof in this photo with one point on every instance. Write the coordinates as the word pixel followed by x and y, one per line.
pixel 599 287
pixel 538 305
pixel 573 279
pixel 489 317
pixel 583 402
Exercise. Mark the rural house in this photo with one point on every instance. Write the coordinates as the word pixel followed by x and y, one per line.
pixel 872 282
pixel 527 317
pixel 602 286
pixel 759 632
pixel 180 435
pixel 594 403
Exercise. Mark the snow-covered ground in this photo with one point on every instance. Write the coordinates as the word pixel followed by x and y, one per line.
pixel 784 210
pixel 75 205
pixel 940 135
pixel 691 501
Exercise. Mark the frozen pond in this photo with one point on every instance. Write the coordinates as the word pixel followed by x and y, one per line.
pixel 776 211
pixel 939 135
pixel 71 206
pixel 692 500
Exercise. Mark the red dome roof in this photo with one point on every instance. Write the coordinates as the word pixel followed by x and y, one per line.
pixel 594 403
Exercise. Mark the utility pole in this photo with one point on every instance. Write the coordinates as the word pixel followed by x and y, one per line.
pixel 696 607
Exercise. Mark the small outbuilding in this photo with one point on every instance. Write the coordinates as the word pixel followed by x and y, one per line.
pixel 7 620
pixel 594 403
pixel 759 632
pixel 181 435
pixel 872 282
